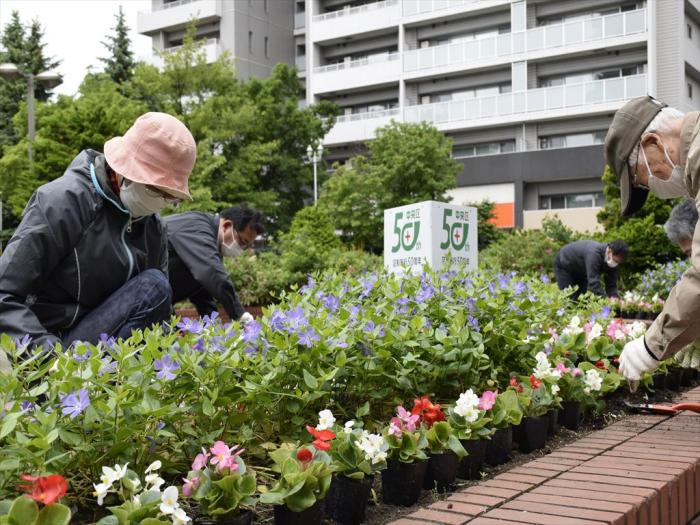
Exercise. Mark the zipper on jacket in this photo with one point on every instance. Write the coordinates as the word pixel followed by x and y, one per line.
pixel 127 226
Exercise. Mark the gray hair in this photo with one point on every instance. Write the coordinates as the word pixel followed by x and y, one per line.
pixel 662 122
pixel 681 222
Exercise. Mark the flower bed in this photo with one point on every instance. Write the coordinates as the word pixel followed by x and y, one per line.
pixel 492 348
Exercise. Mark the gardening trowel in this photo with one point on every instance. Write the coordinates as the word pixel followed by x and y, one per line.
pixel 664 409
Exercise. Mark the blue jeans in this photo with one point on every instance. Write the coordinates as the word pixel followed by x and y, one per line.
pixel 142 301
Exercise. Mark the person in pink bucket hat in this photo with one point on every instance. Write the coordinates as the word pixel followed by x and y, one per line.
pixel 89 259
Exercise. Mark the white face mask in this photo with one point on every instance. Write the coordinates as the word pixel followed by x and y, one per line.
pixel 611 262
pixel 666 189
pixel 139 200
pixel 232 249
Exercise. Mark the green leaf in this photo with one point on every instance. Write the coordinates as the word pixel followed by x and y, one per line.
pixel 309 380
pixel 9 422
pixel 9 464
pixel 55 514
pixel 24 511
pixel 362 411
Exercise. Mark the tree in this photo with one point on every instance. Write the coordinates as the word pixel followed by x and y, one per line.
pixel 408 163
pixel 488 231
pixel 120 64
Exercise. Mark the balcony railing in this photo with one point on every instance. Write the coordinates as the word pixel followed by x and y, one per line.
pixel 299 20
pixel 542 99
pixel 168 5
pixel 300 62
pixel 203 43
pixel 354 10
pixel 415 7
pixel 536 39
pixel 350 64
pixel 394 112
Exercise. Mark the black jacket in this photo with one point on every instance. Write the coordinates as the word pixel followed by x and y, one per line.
pixel 75 246
pixel 585 262
pixel 196 267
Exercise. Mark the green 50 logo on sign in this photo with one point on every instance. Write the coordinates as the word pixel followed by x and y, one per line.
pixel 407 235
pixel 429 232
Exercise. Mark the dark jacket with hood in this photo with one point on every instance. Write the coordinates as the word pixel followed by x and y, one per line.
pixel 585 262
pixel 75 246
pixel 196 269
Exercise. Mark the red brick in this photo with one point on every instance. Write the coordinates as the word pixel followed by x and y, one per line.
pixel 406 521
pixel 492 491
pixel 636 465
pixel 490 521
pixel 531 470
pixel 576 448
pixel 550 466
pixel 539 519
pixel 638 455
pixel 447 518
pixel 625 472
pixel 627 510
pixel 520 478
pixel 613 479
pixel 476 499
pixel 504 484
pixel 597 498
pixel 460 508
pixel 570 455
pixel 560 461
pixel 613 518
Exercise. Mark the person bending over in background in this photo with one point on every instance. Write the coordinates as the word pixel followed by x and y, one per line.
pixel 90 255
pixel 197 243
pixel 680 225
pixel 583 263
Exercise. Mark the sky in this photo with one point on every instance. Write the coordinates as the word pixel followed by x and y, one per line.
pixel 73 30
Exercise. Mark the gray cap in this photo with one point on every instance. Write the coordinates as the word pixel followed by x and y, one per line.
pixel 624 133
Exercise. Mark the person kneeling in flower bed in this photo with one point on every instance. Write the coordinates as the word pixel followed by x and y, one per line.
pixel 222 485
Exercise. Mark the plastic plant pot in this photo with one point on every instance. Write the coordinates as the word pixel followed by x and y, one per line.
pixel 470 466
pixel 346 501
pixel 402 482
pixel 311 516
pixel 498 449
pixel 242 517
pixel 553 426
pixel 441 472
pixel 571 414
pixel 533 434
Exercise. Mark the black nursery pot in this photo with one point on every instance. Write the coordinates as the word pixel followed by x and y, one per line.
pixel 470 466
pixel 533 433
pixel 311 516
pixel 346 501
pixel 673 379
pixel 553 426
pixel 243 517
pixel 687 375
pixel 571 414
pixel 659 381
pixel 441 472
pixel 498 449
pixel 402 482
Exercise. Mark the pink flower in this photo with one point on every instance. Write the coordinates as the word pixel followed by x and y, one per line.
pixel 562 368
pixel 190 486
pixel 554 334
pixel 395 427
pixel 221 452
pixel 407 418
pixel 577 372
pixel 488 398
pixel 200 460
pixel 588 327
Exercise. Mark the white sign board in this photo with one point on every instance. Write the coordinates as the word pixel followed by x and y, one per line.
pixel 429 232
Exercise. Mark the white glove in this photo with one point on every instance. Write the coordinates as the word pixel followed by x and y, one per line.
pixel 689 357
pixel 635 360
pixel 246 318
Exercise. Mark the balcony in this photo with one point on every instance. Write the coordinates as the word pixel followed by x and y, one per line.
pixel 178 14
pixel 300 62
pixel 372 70
pixel 211 47
pixel 359 126
pixel 353 20
pixel 420 7
pixel 300 20
pixel 533 104
pixel 534 43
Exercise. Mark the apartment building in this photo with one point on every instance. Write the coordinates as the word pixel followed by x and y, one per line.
pixel 257 33
pixel 525 88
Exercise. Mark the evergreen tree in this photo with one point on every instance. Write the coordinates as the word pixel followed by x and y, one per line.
pixel 120 65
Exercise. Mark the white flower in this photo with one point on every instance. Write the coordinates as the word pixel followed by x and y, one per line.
pixel 101 491
pixel 112 475
pixel 596 331
pixel 168 500
pixel 466 404
pixel 544 369
pixel 136 500
pixel 575 322
pixel 325 420
pixel 555 389
pixel 574 327
pixel 349 424
pixel 155 481
pixel 374 447
pixel 637 329
pixel 153 466
pixel 593 381
pixel 179 517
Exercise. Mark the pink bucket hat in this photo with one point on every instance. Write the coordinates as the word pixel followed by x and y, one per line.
pixel 157 150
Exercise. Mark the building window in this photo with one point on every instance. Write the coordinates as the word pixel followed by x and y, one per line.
pixel 468 94
pixel 584 15
pixel 267 50
pixel 572 140
pixel 488 148
pixel 590 76
pixel 690 31
pixel 690 90
pixel 571 200
pixel 250 42
pixel 372 107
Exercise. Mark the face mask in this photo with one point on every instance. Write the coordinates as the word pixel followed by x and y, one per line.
pixel 232 249
pixel 666 189
pixel 611 262
pixel 139 201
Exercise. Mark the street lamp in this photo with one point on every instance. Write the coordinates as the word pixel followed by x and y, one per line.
pixel 48 79
pixel 314 155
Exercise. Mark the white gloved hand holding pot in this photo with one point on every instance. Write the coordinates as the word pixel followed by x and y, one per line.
pixel 689 357
pixel 246 318
pixel 636 360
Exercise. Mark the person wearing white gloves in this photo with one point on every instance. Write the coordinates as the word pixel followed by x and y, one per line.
pixel 651 147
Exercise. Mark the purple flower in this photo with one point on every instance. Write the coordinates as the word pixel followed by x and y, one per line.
pixel 296 320
pixel 81 358
pixel 211 319
pixel 545 278
pixel 27 406
pixel 519 287
pixel 310 285
pixel 605 313
pixel 192 326
pixel 355 311
pixel 367 286
pixel 425 293
pixel 22 344
pixel 165 367
pixel 401 305
pixel 370 328
pixel 308 338
pixel 107 341
pixel 251 332
pixel 331 302
pixel 277 320
pixel 199 345
pixel 473 322
pixel 561 312
pixel 108 366
pixel 492 289
pixel 471 304
pixel 74 404
pixel 337 343
pixel 503 281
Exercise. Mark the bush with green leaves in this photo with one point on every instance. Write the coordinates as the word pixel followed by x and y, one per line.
pixel 660 279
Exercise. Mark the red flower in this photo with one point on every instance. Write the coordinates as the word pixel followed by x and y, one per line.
pixel 45 489
pixel 514 383
pixel 616 361
pixel 321 438
pixel 305 455
pixel 534 382
pixel 600 364
pixel 430 413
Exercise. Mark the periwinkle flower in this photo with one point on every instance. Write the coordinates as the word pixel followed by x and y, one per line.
pixel 75 403
pixel 165 367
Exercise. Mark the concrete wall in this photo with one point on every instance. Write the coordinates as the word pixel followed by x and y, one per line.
pixel 578 219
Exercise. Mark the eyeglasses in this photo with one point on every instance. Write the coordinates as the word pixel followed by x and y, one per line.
pixel 157 192
pixel 246 245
